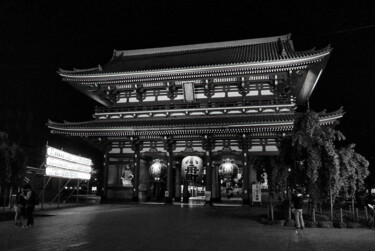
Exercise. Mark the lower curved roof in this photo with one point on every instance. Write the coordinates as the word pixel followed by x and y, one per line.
pixel 194 125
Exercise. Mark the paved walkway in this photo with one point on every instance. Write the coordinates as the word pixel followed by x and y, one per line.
pixel 167 227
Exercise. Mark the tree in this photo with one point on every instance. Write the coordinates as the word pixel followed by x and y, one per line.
pixel 316 162
pixel 12 166
pixel 353 172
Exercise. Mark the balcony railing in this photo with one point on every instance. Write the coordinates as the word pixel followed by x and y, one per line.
pixel 168 106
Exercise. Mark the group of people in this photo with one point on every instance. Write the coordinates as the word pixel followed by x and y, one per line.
pixel 24 206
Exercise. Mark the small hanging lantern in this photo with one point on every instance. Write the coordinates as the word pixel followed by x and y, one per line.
pixel 158 170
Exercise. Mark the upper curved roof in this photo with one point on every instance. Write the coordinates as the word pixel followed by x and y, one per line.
pixel 271 49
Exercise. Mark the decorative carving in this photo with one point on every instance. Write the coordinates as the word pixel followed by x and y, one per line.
pixel 209 89
pixel 137 144
pixel 208 142
pixel 140 92
pixel 243 87
pixel 169 143
pixel 172 90
pixel 244 141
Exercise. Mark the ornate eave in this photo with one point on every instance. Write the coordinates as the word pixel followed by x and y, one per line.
pixel 280 122
pixel 199 70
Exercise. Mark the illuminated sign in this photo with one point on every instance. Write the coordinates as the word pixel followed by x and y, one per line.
pixel 65 165
pixel 58 172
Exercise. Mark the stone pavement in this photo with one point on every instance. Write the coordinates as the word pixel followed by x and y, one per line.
pixel 171 227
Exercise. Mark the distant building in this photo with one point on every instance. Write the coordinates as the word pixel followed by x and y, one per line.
pixel 217 101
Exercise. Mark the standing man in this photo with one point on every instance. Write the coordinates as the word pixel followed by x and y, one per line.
pixel 298 206
pixel 29 205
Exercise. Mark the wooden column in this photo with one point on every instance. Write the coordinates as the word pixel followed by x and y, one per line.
pixel 105 180
pixel 136 147
pixel 245 171
pixel 137 163
pixel 169 144
pixel 169 191
pixel 177 196
pixel 209 188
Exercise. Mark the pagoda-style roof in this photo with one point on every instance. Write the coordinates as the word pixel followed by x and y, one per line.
pixel 257 53
pixel 273 122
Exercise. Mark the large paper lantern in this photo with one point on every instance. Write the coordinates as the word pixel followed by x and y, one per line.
pixel 228 169
pixel 192 168
pixel 158 170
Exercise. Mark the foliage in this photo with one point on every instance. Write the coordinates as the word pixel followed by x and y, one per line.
pixel 317 164
pixel 5 168
pixel 12 163
pixel 277 173
pixel 353 170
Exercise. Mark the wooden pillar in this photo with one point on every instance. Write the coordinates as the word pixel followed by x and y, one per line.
pixel 245 172
pixel 136 147
pixel 177 196
pixel 137 163
pixel 105 180
pixel 208 175
pixel 169 144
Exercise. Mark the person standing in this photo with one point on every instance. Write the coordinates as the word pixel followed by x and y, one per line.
pixel 298 212
pixel 19 207
pixel 29 205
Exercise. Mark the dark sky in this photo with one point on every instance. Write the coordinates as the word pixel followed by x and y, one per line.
pixel 38 37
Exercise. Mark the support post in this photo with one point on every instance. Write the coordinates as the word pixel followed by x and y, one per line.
pixel 208 193
pixel 341 219
pixel 44 189
pixel 313 214
pixel 169 146
pixel 77 190
pixel 58 195
pixel 177 197
pixel 137 164
pixel 169 194
pixel 356 215
pixel 136 147
pixel 105 181
pixel 245 170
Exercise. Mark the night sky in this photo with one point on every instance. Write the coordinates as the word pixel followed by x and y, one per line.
pixel 38 37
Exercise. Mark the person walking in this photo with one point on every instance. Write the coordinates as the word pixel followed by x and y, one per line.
pixel 19 207
pixel 298 206
pixel 29 205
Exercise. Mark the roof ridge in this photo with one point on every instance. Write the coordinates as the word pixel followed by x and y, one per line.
pixel 214 45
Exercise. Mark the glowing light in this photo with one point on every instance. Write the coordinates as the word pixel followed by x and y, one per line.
pixel 67 156
pixel 158 170
pixel 58 172
pixel 51 161
pixel 66 165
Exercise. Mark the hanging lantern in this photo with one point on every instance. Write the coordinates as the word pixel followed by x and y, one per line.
pixel 228 169
pixel 192 168
pixel 158 170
